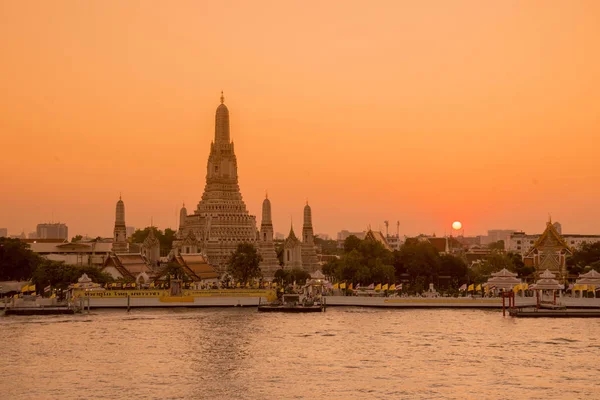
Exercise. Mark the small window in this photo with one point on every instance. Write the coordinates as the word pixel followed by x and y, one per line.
pixel 518 247
pixel 518 242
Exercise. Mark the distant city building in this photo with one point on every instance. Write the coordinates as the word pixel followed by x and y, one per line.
pixel 323 236
pixel 130 230
pixel 495 235
pixel 32 235
pixel 52 231
pixel 3 232
pixel 558 227
pixel 279 236
pixel 19 236
pixel 521 243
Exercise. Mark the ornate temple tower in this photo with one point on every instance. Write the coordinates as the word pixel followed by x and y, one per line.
pixel 309 255
pixel 221 219
pixel 292 251
pixel 120 244
pixel 151 248
pixel 266 247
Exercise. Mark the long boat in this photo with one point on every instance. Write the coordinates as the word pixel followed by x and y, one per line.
pixel 293 303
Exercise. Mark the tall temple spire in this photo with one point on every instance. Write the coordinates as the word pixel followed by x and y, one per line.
pixel 222 123
pixel 120 244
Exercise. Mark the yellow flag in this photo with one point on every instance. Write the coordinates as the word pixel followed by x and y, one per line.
pixel 237 285
pixel 478 288
pixel 53 296
pixel 351 287
pixel 471 288
pixel 385 287
pixel 393 287
pixel 516 288
pixel 525 286
pixel 591 288
pixel 378 287
pixel 343 285
pixel 336 286
pixel 24 288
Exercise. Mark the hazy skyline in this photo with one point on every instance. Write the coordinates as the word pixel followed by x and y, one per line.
pixel 425 112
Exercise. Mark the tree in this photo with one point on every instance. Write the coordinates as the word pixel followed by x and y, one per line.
pixel 351 243
pixel 329 247
pixel 420 259
pixel 165 238
pixel 76 238
pixel 17 261
pixel 455 268
pixel 243 264
pixel 498 246
pixel 59 275
pixel 587 255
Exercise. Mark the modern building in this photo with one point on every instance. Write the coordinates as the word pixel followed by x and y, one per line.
pixel 495 235
pixel 130 230
pixel 93 253
pixel 520 242
pixel 52 231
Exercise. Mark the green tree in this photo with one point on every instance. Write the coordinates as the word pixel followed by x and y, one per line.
pixel 165 238
pixel 498 246
pixel 351 243
pixel 76 238
pixel 455 268
pixel 60 275
pixel 17 261
pixel 587 255
pixel 329 247
pixel 420 259
pixel 243 264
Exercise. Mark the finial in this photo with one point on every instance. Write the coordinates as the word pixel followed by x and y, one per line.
pixel 549 218
pixel 151 222
pixel 222 98
pixel 119 195
pixel 266 194
pixel 184 204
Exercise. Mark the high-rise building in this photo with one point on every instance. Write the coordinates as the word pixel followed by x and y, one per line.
pixel 52 231
pixel 130 230
pixel 221 220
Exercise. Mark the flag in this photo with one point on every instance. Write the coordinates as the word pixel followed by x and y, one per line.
pixel 336 286
pixel 47 289
pixel 385 287
pixel 463 287
pixel 591 288
pixel 53 296
pixel 343 285
pixel 371 286
pixel 237 285
pixel 525 286
pixel 399 286
pixel 357 286
pixel 393 287
pixel 478 288
pixel 516 288
pixel 350 287
pixel 378 287
pixel 471 288
pixel 24 288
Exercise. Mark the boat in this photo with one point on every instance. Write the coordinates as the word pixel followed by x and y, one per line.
pixel 559 312
pixel 293 303
pixel 310 300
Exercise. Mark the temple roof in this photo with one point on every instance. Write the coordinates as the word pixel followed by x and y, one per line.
pixel 589 278
pixel 550 235
pixel 377 236
pixel 291 239
pixel 504 273
pixel 547 281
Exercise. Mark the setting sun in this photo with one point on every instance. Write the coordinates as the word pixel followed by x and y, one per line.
pixel 456 225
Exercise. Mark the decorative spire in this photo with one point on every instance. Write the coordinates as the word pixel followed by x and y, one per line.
pixel 266 194
pixel 222 98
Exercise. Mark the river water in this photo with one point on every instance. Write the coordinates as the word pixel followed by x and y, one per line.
pixel 345 353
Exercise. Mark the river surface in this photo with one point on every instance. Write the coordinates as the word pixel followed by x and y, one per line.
pixel 345 353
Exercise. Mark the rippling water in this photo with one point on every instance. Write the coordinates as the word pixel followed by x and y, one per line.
pixel 344 353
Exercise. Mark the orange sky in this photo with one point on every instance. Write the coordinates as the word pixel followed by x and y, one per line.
pixel 425 112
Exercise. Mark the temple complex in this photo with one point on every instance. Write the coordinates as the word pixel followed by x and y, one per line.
pixel 120 244
pixel 221 220
pixel 301 254
pixel 266 247
pixel 549 252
